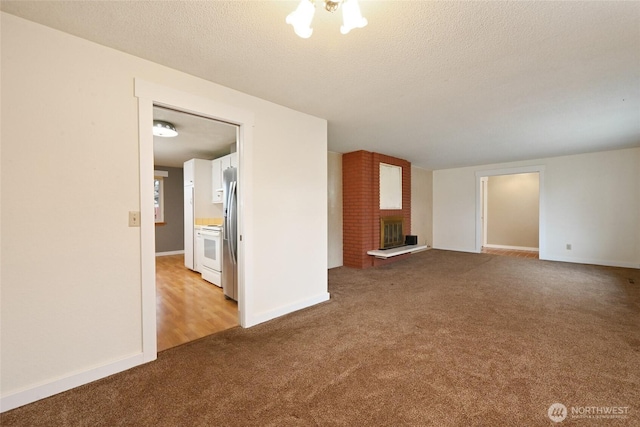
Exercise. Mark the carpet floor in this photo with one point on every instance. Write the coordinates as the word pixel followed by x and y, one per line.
pixel 439 339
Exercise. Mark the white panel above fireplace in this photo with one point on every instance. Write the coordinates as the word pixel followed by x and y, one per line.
pixel 390 186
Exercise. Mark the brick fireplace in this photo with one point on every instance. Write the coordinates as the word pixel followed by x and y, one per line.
pixel 361 206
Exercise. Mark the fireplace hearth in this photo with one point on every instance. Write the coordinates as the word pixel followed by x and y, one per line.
pixel 391 232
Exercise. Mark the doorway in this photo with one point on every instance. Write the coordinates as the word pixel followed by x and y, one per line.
pixel 148 95
pixel 510 211
pixel 190 301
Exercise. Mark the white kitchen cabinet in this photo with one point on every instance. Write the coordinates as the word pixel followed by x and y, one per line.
pixel 216 180
pixel 218 166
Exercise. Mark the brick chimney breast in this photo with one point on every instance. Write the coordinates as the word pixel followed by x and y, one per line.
pixel 361 205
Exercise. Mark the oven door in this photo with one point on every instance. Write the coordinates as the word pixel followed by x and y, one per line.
pixel 212 253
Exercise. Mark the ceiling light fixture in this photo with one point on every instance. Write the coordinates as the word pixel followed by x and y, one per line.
pixel 164 129
pixel 301 18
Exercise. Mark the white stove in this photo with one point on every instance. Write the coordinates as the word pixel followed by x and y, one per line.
pixel 210 253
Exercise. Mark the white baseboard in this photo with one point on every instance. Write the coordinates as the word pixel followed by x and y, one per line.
pixel 513 248
pixel 281 311
pixel 169 253
pixel 445 248
pixel 592 261
pixel 24 397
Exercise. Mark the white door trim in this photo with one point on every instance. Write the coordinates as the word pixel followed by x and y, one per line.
pixel 150 94
pixel 483 182
pixel 513 171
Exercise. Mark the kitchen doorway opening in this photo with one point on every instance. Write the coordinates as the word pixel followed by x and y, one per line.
pixel 189 214
pixel 149 95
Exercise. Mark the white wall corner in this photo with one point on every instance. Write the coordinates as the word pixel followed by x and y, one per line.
pixel 281 311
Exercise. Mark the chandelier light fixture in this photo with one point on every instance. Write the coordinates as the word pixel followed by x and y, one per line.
pixel 301 18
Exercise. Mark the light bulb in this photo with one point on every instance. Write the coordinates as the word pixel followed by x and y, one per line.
pixel 301 19
pixel 351 16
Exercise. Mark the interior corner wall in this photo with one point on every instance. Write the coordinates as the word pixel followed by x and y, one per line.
pixel 422 205
pixel 358 206
pixel 334 188
pixel 591 201
pixel 170 234
pixel 361 205
pixel 637 179
pixel 73 317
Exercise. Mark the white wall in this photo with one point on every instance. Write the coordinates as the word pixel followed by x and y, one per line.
pixel 335 209
pixel 454 209
pixel 69 178
pixel 422 205
pixel 591 201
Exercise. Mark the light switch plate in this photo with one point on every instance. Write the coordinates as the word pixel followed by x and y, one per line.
pixel 134 219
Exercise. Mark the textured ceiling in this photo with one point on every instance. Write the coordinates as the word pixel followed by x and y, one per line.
pixel 441 84
pixel 198 138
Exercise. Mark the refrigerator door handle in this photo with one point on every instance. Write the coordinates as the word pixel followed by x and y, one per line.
pixel 233 221
pixel 225 228
pixel 226 208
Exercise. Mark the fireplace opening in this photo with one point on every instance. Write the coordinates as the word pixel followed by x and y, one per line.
pixel 391 233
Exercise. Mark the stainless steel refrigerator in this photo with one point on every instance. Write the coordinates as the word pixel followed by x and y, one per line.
pixel 230 239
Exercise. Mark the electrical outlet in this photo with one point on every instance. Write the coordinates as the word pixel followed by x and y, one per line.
pixel 134 219
pixel 568 246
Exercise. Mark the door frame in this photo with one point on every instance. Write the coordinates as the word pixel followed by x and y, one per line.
pixel 150 94
pixel 542 246
pixel 484 180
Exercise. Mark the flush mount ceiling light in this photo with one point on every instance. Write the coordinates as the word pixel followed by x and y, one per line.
pixel 164 129
pixel 303 15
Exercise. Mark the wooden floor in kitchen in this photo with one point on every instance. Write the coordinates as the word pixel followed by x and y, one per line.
pixel 511 252
pixel 188 307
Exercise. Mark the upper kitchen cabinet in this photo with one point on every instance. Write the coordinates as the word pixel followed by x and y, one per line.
pixel 218 166
pixel 216 180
